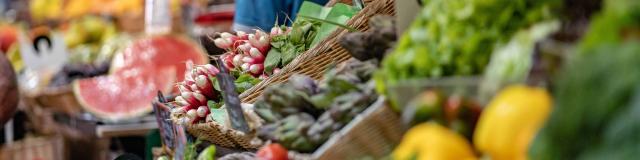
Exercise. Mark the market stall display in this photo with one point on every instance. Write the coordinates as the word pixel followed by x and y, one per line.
pixel 469 79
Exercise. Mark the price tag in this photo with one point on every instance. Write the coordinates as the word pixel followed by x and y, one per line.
pixel 231 100
pixel 165 125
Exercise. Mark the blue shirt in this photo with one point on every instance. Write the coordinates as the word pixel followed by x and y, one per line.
pixel 261 14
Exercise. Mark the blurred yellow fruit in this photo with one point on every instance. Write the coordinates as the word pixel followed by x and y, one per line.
pixel 13 54
pixel 509 123
pixel 431 141
pixel 77 8
pixel 45 9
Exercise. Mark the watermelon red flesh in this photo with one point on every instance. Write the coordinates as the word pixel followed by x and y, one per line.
pixel 123 95
pixel 159 52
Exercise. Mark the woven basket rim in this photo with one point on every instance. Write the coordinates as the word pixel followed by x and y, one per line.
pixel 229 137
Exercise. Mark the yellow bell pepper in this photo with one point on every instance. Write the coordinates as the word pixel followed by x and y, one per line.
pixel 431 141
pixel 509 123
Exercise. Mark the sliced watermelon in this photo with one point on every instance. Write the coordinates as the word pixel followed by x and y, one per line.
pixel 124 94
pixel 159 52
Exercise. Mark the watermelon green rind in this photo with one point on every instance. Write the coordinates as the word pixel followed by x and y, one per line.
pixel 142 107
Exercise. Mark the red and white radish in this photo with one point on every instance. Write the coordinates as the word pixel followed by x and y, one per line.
pixel 260 40
pixel 228 60
pixel 223 43
pixel 202 111
pixel 245 66
pixel 237 60
pixel 276 31
pixel 192 114
pixel 256 69
pixel 276 70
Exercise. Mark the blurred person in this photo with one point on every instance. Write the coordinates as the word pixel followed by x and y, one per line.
pixel 263 14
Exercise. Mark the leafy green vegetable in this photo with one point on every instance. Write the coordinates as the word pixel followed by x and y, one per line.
pixel 313 10
pixel 219 115
pixel 273 60
pixel 314 23
pixel 616 22
pixel 244 82
pixel 595 114
pixel 214 105
pixel 598 93
pixel 285 48
pixel 339 14
pixel 457 37
pixel 215 83
pixel 511 63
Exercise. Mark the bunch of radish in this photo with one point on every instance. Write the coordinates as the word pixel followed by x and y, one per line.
pixel 247 52
pixel 195 92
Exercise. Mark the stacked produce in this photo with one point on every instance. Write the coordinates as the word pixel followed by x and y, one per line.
pixel 88 31
pixel 245 52
pixel 301 114
pixel 262 54
pixel 373 43
pixel 200 99
pixel 196 91
pixel 457 37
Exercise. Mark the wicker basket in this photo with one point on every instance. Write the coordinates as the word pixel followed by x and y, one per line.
pixel 224 136
pixel 40 148
pixel 59 99
pixel 316 60
pixel 372 134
